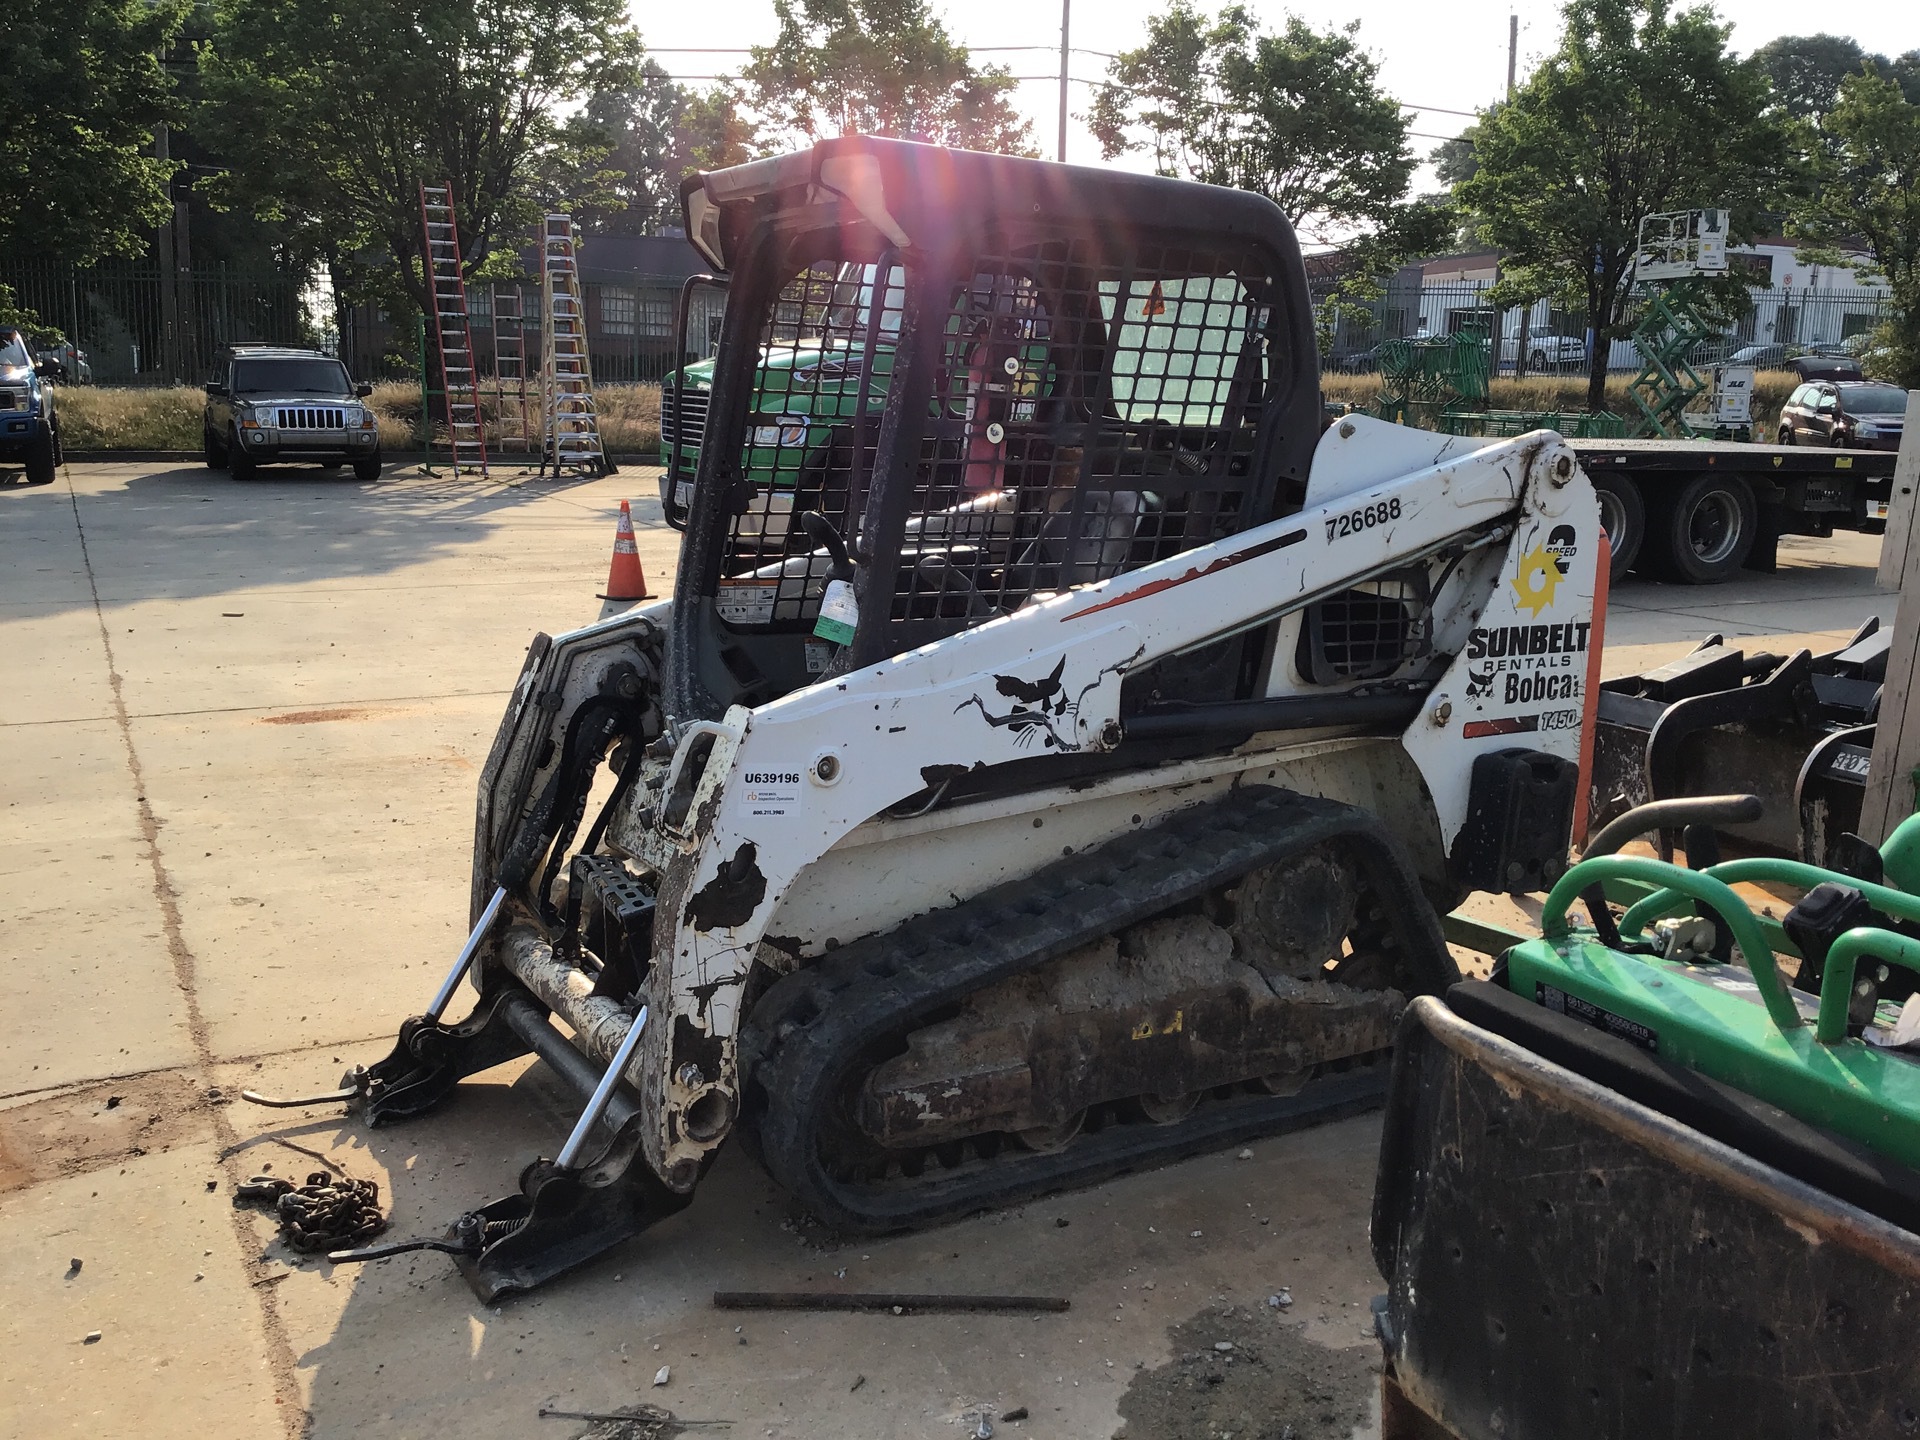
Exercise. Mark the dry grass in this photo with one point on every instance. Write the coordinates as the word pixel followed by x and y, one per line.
pixel 1568 393
pixel 98 418
pixel 169 419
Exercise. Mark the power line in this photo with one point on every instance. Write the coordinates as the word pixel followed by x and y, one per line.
pixel 1021 79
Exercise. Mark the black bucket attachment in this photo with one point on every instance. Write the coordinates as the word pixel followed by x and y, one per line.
pixel 1795 730
pixel 1563 1260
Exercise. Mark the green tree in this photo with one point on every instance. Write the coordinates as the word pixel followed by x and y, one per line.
pixel 879 67
pixel 637 124
pixel 1868 195
pixel 86 88
pixel 331 116
pixel 658 133
pixel 1298 116
pixel 1639 111
pixel 1806 71
pixel 714 131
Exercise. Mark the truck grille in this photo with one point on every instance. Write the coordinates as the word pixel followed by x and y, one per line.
pixel 311 417
pixel 693 415
pixel 14 399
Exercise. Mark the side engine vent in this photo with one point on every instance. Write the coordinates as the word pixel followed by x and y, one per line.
pixel 1367 632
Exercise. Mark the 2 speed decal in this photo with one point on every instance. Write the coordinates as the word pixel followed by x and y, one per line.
pixel 1367 517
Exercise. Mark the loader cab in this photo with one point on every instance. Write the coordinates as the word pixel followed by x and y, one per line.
pixel 960 382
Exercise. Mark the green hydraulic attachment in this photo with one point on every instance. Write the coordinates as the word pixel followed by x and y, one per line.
pixel 1444 384
pixel 1667 383
pixel 1742 1024
pixel 1422 381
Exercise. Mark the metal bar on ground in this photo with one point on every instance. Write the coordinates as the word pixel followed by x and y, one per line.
pixel 902 1304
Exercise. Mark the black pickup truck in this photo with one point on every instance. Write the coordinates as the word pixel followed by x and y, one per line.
pixel 1696 511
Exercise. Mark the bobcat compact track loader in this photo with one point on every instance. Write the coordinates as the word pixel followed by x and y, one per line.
pixel 1056 747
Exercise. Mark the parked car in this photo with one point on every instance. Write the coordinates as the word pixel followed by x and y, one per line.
pixel 29 430
pixel 270 403
pixel 64 364
pixel 1809 363
pixel 1546 352
pixel 1846 414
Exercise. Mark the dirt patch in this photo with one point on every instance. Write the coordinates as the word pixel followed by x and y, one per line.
pixel 315 717
pixel 1271 1385
pixel 80 1130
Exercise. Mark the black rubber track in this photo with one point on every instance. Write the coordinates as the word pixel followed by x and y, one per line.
pixel 810 1037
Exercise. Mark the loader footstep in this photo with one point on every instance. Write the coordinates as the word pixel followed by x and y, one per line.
pixel 397 1247
pixel 353 1085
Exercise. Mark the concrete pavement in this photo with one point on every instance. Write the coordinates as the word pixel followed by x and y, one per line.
pixel 243 725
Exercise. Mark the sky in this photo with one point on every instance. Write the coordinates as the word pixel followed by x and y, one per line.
pixel 1444 57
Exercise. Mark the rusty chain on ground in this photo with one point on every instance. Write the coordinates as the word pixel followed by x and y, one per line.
pixel 326 1213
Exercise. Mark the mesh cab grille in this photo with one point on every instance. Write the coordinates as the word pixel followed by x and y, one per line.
pixel 1094 407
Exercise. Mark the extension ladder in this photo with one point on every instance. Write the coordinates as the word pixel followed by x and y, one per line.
pixel 569 424
pixel 513 400
pixel 466 427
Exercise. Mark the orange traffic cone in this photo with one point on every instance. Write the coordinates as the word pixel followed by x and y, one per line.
pixel 625 580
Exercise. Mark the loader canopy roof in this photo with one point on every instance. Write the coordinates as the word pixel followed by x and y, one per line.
pixel 918 196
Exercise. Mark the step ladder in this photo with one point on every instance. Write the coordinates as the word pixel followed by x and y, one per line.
pixel 453 332
pixel 569 424
pixel 512 394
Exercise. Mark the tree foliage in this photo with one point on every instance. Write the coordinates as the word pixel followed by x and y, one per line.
pixel 879 67
pixel 1868 195
pixel 1297 115
pixel 1639 111
pixel 86 89
pixel 332 115
pixel 657 133
pixel 1806 71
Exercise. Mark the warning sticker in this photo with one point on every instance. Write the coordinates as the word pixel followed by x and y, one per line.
pixel 771 793
pixel 746 601
pixel 1587 1013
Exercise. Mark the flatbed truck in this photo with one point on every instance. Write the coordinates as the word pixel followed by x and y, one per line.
pixel 1697 511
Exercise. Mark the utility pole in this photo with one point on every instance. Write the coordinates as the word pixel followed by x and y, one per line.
pixel 167 264
pixel 1520 337
pixel 1066 8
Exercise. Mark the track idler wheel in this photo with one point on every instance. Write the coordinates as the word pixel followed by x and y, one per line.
pixel 1050 1139
pixel 1165 1109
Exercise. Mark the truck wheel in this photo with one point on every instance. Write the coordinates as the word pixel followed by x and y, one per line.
pixel 239 463
pixel 1705 530
pixel 1786 435
pixel 367 467
pixel 1624 515
pixel 1537 361
pixel 211 451
pixel 41 462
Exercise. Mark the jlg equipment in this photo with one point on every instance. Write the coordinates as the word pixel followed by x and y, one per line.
pixel 1055 747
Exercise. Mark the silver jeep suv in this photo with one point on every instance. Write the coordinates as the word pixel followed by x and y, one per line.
pixel 270 403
